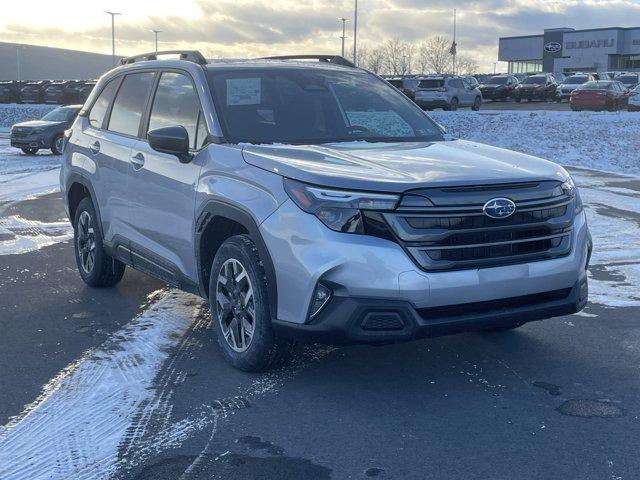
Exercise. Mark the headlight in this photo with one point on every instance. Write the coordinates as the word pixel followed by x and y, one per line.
pixel 569 188
pixel 340 210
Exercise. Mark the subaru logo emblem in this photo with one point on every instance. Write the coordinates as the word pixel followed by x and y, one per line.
pixel 552 47
pixel 499 208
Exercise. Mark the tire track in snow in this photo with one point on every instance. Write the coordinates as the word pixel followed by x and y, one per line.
pixel 19 235
pixel 74 429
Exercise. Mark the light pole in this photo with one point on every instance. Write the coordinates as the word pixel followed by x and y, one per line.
pixel 113 35
pixel 355 33
pixel 155 34
pixel 344 23
pixel 494 67
pixel 18 60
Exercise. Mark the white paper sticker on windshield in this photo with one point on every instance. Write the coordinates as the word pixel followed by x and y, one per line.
pixel 243 91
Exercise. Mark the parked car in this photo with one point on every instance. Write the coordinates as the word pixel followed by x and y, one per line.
pixel 564 90
pixel 634 100
pixel 10 91
pixel 314 203
pixel 499 87
pixel 33 92
pixel 63 92
pixel 85 90
pixel 472 81
pixel 537 87
pixel 48 132
pixel 560 77
pixel 629 80
pixel 447 92
pixel 609 95
pixel 406 85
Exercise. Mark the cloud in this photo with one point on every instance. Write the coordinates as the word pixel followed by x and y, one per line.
pixel 246 28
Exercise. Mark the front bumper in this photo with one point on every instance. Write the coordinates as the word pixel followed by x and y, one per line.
pixel 368 273
pixel 533 94
pixel 349 320
pixel 495 94
pixel 31 141
pixel 436 103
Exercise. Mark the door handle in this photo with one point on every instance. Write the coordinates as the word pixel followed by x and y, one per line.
pixel 137 160
pixel 95 147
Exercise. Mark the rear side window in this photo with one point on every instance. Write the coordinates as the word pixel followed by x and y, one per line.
pixel 101 105
pixel 129 103
pixel 431 84
pixel 175 103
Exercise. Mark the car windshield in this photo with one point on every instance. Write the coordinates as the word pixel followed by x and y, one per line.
pixel 534 81
pixel 61 115
pixel 596 86
pixel 628 79
pixel 577 80
pixel 314 106
pixel 497 81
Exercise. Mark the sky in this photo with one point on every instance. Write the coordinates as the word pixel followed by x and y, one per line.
pixel 248 28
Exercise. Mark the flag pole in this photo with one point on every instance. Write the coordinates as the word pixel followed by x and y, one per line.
pixel 455 52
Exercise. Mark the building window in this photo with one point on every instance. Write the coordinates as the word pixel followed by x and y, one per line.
pixel 526 66
pixel 630 61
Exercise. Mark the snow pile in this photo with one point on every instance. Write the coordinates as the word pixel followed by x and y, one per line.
pixel 14 113
pixel 603 141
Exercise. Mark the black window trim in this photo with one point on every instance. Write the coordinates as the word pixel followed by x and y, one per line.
pixel 118 80
pixel 144 124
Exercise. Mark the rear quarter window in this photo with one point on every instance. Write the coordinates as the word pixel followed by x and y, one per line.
pixel 101 105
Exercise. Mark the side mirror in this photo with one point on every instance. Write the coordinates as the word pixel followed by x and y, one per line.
pixel 172 140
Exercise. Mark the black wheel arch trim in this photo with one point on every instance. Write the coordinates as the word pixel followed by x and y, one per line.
pixel 219 208
pixel 85 182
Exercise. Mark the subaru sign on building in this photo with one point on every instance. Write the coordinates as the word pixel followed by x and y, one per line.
pixel 568 50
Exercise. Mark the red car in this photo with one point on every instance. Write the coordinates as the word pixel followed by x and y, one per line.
pixel 601 95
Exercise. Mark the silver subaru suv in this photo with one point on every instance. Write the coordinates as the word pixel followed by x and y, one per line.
pixel 313 202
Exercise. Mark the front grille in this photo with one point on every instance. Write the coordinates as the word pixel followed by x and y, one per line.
pixel 454 233
pixel 16 132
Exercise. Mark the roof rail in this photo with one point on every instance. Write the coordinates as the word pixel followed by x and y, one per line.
pixel 189 55
pixel 335 59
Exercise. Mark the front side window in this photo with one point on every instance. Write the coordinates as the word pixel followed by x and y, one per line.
pixel 101 105
pixel 129 103
pixel 314 106
pixel 175 103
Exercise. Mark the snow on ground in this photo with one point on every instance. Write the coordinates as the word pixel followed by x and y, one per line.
pixel 14 112
pixel 603 141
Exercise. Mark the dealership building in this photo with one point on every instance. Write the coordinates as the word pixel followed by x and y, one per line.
pixel 568 50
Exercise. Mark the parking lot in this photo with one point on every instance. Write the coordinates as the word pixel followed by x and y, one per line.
pixel 128 382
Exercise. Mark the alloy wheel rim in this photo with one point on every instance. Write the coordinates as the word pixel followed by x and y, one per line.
pixel 235 305
pixel 59 142
pixel 86 242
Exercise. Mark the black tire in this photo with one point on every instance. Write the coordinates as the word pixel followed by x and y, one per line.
pixel 559 99
pixel 453 106
pixel 264 350
pixel 518 99
pixel 29 150
pixel 477 103
pixel 57 144
pixel 103 271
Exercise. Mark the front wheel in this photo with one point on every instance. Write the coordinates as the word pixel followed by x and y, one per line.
pixel 477 103
pixel 453 106
pixel 30 150
pixel 57 145
pixel 96 268
pixel 238 295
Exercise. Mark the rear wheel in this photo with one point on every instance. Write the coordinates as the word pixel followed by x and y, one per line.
pixel 29 150
pixel 238 294
pixel 57 145
pixel 96 268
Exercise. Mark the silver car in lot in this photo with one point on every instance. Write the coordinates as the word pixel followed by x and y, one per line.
pixel 634 100
pixel 448 92
pixel 566 88
pixel 314 202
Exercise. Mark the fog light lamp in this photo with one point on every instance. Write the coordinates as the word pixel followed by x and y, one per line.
pixel 321 297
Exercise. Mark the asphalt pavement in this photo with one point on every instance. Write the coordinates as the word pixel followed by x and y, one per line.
pixel 129 383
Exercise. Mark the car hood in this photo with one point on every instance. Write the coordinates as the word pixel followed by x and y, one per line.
pixel 37 123
pixel 395 167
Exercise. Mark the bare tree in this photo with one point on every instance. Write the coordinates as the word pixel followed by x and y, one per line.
pixel 434 55
pixel 372 59
pixel 466 65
